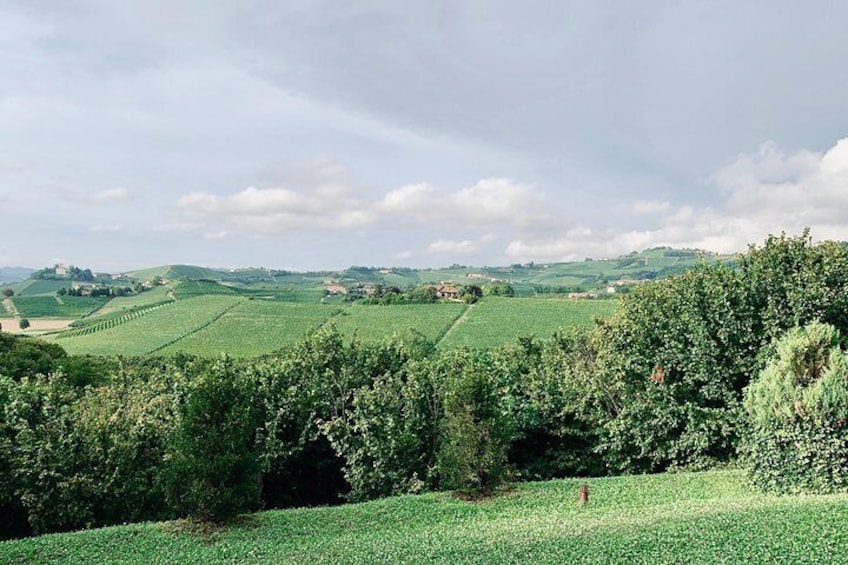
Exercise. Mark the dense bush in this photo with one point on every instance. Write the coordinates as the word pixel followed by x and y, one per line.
pixel 213 463
pixel 476 430
pixel 798 412
pixel 677 357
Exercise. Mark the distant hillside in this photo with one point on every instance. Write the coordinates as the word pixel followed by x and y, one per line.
pixel 528 278
pixel 14 274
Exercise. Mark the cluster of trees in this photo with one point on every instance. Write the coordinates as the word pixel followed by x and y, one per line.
pixel 660 385
pixel 423 294
pixel 74 273
pixel 99 291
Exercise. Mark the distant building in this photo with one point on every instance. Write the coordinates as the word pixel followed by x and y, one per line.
pixel 581 295
pixel 61 270
pixel 610 289
pixel 476 276
pixel 445 291
pixel 336 289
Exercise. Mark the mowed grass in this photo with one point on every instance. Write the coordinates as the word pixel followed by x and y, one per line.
pixel 711 517
pixel 253 328
pixel 152 331
pixel 377 322
pixel 496 320
pixel 57 306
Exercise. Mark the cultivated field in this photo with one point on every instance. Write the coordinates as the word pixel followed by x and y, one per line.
pixel 376 322
pixel 152 331
pixel 147 323
pixel 57 306
pixel 496 320
pixel 155 295
pixel 254 327
pixel 711 517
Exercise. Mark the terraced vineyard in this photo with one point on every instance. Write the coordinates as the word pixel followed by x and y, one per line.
pixel 497 320
pixel 254 327
pixel 154 330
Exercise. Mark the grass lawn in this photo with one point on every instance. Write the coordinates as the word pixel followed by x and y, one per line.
pixel 711 517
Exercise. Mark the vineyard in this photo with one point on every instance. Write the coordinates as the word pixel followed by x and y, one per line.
pixel 210 324
pixel 151 331
pixel 496 320
pixel 57 306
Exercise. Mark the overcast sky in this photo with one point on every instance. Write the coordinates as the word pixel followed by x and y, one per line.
pixel 321 134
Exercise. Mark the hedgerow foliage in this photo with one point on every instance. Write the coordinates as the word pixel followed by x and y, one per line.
pixel 672 365
pixel 798 412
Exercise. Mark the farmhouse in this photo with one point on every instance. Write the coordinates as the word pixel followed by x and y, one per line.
pixel 61 270
pixel 336 289
pixel 446 291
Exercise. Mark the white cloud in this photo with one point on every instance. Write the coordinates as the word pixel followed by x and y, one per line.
pixel 762 193
pixel 111 195
pixel 448 247
pixel 328 200
pixel 216 236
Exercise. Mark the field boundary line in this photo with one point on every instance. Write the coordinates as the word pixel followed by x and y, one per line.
pixel 203 326
pixel 459 320
pixel 10 308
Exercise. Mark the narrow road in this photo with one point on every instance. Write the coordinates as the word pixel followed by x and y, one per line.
pixel 458 322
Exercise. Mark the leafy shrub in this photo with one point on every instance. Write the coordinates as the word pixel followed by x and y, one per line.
pixel 213 463
pixel 388 437
pixel 476 431
pixel 798 411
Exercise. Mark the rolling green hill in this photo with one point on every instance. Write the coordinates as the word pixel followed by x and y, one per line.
pixel 711 517
pixel 249 327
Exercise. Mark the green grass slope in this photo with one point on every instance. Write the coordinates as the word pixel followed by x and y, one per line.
pixel 711 517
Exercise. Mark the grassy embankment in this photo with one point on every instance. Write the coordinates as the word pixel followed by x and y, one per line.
pixel 711 517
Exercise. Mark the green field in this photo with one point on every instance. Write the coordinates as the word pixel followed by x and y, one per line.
pixel 62 307
pixel 32 287
pixel 139 325
pixel 155 295
pixel 254 327
pixel 187 289
pixel 376 322
pixel 711 517
pixel 152 331
pixel 496 320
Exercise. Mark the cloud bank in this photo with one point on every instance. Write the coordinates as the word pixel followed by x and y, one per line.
pixel 761 193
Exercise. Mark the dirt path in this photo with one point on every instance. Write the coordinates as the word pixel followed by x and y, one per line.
pixel 10 308
pixel 458 322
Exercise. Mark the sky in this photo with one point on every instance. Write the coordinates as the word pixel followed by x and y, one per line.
pixel 319 135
